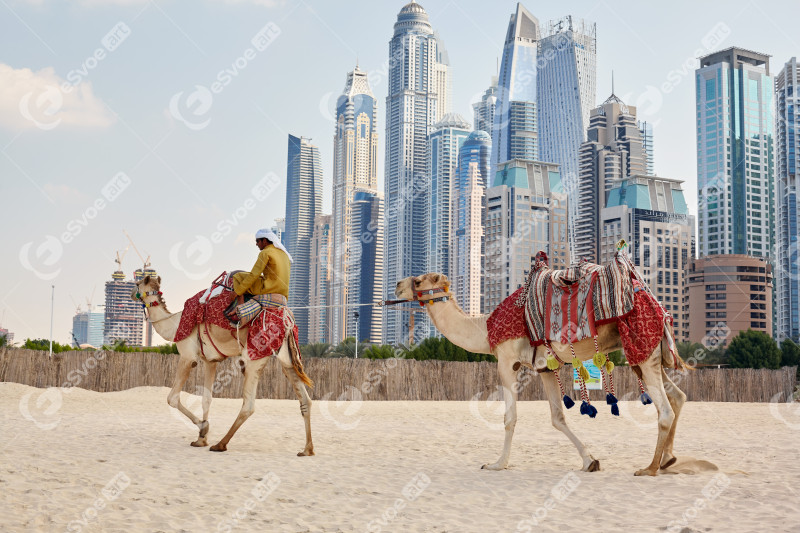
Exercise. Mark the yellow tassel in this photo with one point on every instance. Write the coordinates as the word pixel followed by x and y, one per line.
pixel 576 362
pixel 584 373
pixel 599 359
pixel 552 364
pixel 609 367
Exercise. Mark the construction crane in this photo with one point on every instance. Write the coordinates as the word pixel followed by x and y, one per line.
pixel 146 262
pixel 90 299
pixel 119 258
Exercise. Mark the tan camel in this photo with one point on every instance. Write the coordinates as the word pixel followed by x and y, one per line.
pixel 166 324
pixel 471 333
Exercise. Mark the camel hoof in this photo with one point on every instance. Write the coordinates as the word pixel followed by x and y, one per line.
pixel 496 467
pixel 645 472
pixel 305 453
pixel 594 466
pixel 219 447
pixel 203 427
pixel 200 443
pixel 669 463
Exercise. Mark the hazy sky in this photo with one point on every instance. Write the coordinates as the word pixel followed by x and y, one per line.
pixel 169 119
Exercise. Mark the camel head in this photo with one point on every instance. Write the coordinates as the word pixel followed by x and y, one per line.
pixel 146 285
pixel 406 287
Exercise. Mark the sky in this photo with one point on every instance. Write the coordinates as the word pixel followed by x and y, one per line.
pixel 169 119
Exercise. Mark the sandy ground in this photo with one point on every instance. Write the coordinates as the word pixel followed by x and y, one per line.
pixel 85 461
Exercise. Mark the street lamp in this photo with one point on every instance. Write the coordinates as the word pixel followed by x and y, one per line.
pixel 355 314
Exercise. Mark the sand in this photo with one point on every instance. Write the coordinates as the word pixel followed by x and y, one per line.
pixel 86 461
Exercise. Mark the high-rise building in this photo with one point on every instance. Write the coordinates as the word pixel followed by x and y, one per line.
pixel 483 110
pixel 646 132
pixel 355 159
pixel 445 143
pixel 320 282
pixel 735 154
pixel 730 293
pixel 87 328
pixel 566 94
pixel 279 228
pixel 303 204
pixel 468 215
pixel 612 151
pixel 526 212
pixel 124 319
pixel 787 151
pixel 417 97
pixel 515 131
pixel 652 216
pixel 364 270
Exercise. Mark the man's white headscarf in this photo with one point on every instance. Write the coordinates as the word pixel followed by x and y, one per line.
pixel 276 242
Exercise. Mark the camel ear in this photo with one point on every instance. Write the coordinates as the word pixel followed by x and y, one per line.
pixel 435 278
pixel 158 280
pixel 146 280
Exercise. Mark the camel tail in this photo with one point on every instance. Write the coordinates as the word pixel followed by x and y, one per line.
pixel 297 362
pixel 669 351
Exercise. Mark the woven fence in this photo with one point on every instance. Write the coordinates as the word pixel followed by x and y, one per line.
pixel 365 379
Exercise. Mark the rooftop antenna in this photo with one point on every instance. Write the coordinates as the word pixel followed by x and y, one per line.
pixel 612 81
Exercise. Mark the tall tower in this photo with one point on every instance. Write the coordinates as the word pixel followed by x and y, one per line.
pixel 566 94
pixel 483 111
pixel 735 154
pixel 124 319
pixel 515 131
pixel 366 287
pixel 303 204
pixel 320 280
pixel 787 97
pixel 418 90
pixel 646 131
pixel 469 190
pixel 355 153
pixel 613 151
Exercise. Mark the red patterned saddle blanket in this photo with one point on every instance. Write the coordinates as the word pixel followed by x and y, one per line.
pixel 268 331
pixel 212 312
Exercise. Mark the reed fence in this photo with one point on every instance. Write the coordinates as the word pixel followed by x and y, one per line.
pixel 365 379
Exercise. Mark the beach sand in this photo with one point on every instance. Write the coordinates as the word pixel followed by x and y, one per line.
pixel 86 461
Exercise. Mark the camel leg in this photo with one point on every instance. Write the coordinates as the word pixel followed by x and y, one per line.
pixel 508 378
pixel 252 372
pixel 302 395
pixel 676 399
pixel 208 393
pixel 553 392
pixel 185 365
pixel 651 375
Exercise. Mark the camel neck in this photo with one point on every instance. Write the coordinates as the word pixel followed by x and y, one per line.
pixel 164 322
pixel 468 332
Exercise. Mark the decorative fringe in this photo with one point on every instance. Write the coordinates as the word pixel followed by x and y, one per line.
pixel 588 409
pixel 552 364
pixel 599 359
pixel 615 410
pixel 568 402
pixel 646 398
pixel 610 399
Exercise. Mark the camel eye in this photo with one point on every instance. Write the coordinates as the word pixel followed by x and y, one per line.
pixel 416 283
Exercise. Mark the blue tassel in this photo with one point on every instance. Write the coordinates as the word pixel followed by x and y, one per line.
pixel 611 399
pixel 584 408
pixel 568 403
pixel 646 400
pixel 614 409
pixel 588 409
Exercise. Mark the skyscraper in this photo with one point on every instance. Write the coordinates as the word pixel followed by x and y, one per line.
pixel 483 110
pixel 787 273
pixel 417 96
pixel 526 212
pixel 735 153
pixel 366 226
pixel 566 94
pixel 515 131
pixel 320 282
pixel 646 130
pixel 612 151
pixel 469 189
pixel 87 328
pixel 445 143
pixel 124 319
pixel 355 153
pixel 303 204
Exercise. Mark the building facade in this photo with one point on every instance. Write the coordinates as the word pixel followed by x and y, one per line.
pixel 321 272
pixel 365 271
pixel 787 151
pixel 355 160
pixel 652 216
pixel 303 204
pixel 729 293
pixel 515 131
pixel 526 212
pixel 418 89
pixel 735 111
pixel 466 231
pixel 646 131
pixel 87 328
pixel 613 151
pixel 565 95
pixel 444 145
pixel 483 110
pixel 123 320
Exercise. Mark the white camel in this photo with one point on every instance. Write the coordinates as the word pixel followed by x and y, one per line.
pixel 191 351
pixel 471 333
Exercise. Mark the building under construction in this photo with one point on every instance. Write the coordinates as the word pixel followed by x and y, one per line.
pixel 124 320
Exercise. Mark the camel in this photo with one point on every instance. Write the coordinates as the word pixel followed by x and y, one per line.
pixel 191 351
pixel 471 333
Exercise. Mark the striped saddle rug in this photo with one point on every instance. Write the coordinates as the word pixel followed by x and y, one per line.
pixel 566 306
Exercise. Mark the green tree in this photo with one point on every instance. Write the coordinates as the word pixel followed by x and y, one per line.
pixel 790 353
pixel 754 349
pixel 3 341
pixel 44 345
pixel 384 351
pixel 317 349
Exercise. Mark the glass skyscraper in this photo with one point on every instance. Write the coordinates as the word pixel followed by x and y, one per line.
pixel 418 88
pixel 303 204
pixel 566 94
pixel 483 110
pixel 787 99
pixel 735 153
pixel 366 225
pixel 515 133
pixel 355 153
